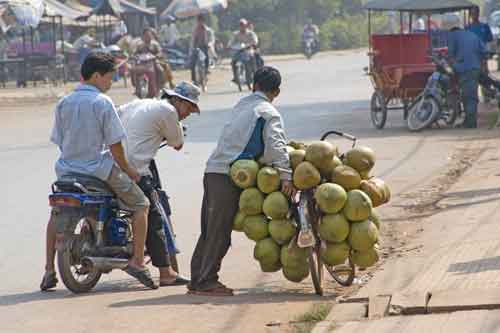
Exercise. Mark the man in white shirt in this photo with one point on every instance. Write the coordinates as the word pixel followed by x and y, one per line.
pixel 148 124
pixel 169 34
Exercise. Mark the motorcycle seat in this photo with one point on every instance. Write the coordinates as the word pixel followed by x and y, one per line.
pixel 80 183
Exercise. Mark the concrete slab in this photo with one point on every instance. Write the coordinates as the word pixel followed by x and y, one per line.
pixel 408 304
pixel 378 306
pixel 341 313
pixel 459 322
pixel 461 300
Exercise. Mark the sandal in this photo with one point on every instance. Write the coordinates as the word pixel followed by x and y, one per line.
pixel 217 291
pixel 49 281
pixel 179 281
pixel 141 274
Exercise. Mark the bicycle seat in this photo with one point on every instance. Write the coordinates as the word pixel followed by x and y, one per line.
pixel 80 183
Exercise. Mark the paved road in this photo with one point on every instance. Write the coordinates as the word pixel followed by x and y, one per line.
pixel 328 92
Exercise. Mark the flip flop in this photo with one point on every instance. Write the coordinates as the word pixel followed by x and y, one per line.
pixel 218 291
pixel 142 275
pixel 49 281
pixel 179 281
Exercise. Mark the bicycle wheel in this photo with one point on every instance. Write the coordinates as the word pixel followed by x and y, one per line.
pixel 316 268
pixel 378 110
pixel 344 274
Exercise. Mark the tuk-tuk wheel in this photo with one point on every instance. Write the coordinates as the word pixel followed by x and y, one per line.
pixel 378 110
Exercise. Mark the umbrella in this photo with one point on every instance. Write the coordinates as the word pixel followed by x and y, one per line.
pixel 23 12
pixel 190 8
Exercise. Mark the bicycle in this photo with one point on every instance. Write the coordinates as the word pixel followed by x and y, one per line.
pixel 308 216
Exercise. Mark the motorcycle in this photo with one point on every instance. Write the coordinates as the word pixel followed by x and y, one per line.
pixel 198 59
pixel 245 65
pixel 96 232
pixel 176 58
pixel 310 48
pixel 440 101
pixel 143 64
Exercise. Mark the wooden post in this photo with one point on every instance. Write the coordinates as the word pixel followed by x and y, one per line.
pixel 63 49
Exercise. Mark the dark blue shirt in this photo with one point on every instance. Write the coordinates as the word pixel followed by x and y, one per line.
pixel 466 50
pixel 255 147
pixel 482 30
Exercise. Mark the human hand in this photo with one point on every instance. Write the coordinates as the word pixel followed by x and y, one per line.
pixel 134 175
pixel 178 148
pixel 288 189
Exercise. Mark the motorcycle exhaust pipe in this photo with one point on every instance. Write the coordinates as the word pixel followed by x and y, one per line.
pixel 105 264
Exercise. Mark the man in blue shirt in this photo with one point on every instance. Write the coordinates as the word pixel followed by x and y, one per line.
pixel 89 135
pixel 467 52
pixel 483 31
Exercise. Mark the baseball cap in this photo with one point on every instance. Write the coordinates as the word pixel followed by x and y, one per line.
pixel 186 91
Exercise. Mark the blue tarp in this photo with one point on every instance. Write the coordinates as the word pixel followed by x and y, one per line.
pixel 25 12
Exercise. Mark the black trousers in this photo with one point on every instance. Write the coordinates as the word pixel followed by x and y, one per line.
pixel 155 239
pixel 219 207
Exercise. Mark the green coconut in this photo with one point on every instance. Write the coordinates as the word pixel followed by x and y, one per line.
pixel 244 173
pixel 365 259
pixel 251 201
pixel 360 158
pixel 346 177
pixel 306 176
pixel 296 157
pixel 293 257
pixel 238 222
pixel 327 171
pixel 335 253
pixel 276 205
pixel 320 154
pixel 297 145
pixel 282 231
pixel 375 218
pixel 334 228
pixel 330 197
pixel 270 268
pixel 374 191
pixel 363 235
pixel 296 274
pixel 358 206
pixel 256 227
pixel 268 180
pixel 267 251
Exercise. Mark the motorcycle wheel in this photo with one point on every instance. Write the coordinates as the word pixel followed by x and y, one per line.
pixel 449 116
pixel 249 71
pixel 240 76
pixel 77 277
pixel 142 88
pixel 424 112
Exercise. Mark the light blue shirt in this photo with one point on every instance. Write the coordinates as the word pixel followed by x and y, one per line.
pixel 466 49
pixel 86 124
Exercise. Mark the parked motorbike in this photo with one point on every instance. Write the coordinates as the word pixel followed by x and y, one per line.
pixel 97 235
pixel 143 64
pixel 245 65
pixel 198 60
pixel 440 100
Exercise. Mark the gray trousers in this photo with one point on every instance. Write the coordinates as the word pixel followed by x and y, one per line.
pixel 219 207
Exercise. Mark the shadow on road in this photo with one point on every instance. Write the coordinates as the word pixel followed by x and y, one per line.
pixel 241 297
pixel 476 266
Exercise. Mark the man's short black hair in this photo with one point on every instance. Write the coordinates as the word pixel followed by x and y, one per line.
pixel 97 62
pixel 267 78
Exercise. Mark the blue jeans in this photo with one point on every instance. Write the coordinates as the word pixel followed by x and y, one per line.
pixel 469 83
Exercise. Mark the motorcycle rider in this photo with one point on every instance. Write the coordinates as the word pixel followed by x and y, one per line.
pixel 149 123
pixel 243 36
pixel 203 37
pixel 311 31
pixel 86 125
pixel 162 70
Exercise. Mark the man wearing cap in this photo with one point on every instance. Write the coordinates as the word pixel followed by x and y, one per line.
pixel 149 123
pixel 467 52
pixel 254 131
pixel 247 37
